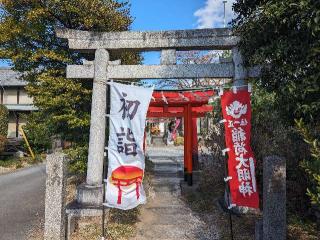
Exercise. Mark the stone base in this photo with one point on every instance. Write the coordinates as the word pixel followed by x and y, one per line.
pixel 75 211
pixel 246 210
pixel 186 189
pixel 196 174
pixel 258 235
pixel 192 178
pixel 90 196
pixel 189 179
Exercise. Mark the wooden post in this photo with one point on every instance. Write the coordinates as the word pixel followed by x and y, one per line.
pixel 189 145
pixel 185 139
pixel 144 141
pixel 27 142
pixel 195 159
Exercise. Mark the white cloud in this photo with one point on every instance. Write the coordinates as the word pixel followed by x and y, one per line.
pixel 211 15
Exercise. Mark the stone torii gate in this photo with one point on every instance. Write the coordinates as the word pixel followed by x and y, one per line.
pixel 102 69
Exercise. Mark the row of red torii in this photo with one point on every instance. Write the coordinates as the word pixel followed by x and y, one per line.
pixel 102 69
pixel 189 105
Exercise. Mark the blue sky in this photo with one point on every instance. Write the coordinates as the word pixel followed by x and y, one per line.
pixel 173 15
pixel 177 14
pixel 164 14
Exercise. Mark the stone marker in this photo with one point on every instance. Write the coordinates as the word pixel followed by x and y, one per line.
pixel 56 170
pixel 274 198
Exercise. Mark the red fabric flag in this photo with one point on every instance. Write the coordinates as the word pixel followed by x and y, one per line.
pixel 236 109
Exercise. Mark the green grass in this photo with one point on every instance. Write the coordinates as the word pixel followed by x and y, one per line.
pixel 17 162
pixel 122 223
pixel 8 162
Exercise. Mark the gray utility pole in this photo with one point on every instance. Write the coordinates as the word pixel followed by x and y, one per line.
pixel 224 13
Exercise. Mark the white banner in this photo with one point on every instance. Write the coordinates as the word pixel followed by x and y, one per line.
pixel 129 106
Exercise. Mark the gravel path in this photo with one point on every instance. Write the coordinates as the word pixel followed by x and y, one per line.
pixel 166 216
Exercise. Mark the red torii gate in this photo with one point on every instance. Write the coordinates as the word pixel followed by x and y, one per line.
pixel 187 104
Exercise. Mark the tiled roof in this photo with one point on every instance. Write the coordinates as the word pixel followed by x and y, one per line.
pixel 9 77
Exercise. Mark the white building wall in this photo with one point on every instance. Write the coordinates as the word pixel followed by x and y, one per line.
pixel 24 98
pixel 12 125
pixel 10 96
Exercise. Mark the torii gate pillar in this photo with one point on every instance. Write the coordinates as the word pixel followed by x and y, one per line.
pixel 195 158
pixel 188 144
pixel 91 192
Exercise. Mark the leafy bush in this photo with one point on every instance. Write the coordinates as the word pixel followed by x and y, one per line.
pixel 4 120
pixel 271 135
pixel 38 133
pixel 179 141
pixel 311 165
pixel 288 46
pixel 78 158
pixel 3 142
pixel 212 161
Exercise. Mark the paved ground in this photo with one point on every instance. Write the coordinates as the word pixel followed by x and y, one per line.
pixel 166 216
pixel 21 202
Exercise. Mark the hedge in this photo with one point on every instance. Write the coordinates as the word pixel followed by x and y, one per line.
pixel 4 120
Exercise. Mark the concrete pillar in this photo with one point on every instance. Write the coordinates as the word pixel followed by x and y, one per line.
pixel 91 192
pixel 274 198
pixel 56 170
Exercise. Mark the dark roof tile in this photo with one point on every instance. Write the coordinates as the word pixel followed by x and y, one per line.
pixel 8 77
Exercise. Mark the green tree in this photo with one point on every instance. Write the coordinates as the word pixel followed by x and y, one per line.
pixel 27 37
pixel 312 165
pixel 38 133
pixel 4 120
pixel 284 37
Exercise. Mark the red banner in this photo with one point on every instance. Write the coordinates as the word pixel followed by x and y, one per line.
pixel 236 109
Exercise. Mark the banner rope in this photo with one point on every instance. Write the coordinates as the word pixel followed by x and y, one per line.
pixel 103 232
pixel 219 87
